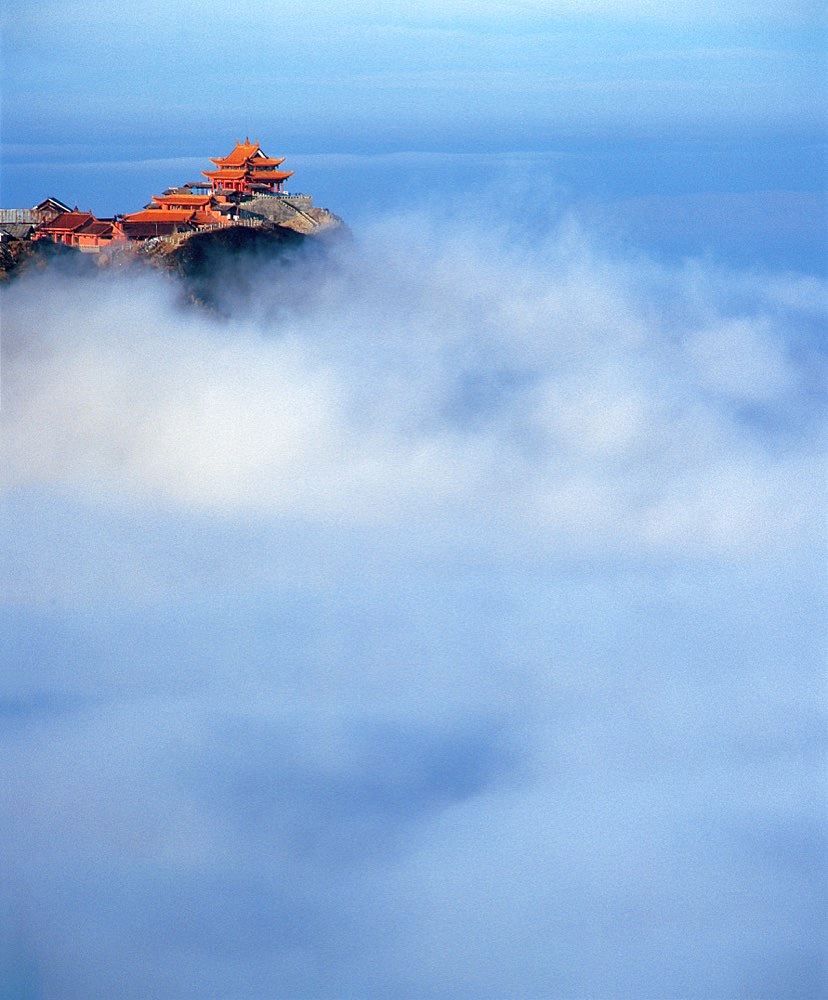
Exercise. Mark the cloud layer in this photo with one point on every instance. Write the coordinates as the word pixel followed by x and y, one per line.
pixel 571 397
pixel 440 618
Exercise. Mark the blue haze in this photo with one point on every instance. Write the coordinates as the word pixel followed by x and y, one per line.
pixel 446 618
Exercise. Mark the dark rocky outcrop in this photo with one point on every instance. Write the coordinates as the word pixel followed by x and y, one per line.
pixel 215 266
pixel 218 268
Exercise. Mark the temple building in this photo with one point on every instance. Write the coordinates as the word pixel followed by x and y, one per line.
pixel 247 171
pixel 22 223
pixel 175 212
pixel 81 230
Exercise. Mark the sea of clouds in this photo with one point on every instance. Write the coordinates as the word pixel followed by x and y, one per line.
pixel 438 617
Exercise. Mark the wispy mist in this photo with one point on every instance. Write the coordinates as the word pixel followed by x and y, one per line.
pixel 441 617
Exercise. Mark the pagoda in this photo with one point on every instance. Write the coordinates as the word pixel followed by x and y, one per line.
pixel 247 171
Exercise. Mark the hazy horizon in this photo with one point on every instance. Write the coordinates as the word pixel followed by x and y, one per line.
pixel 690 129
pixel 442 616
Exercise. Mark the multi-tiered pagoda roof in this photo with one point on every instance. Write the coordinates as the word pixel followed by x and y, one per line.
pixel 247 171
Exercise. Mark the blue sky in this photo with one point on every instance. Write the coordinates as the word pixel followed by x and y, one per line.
pixel 445 617
pixel 102 103
pixel 450 74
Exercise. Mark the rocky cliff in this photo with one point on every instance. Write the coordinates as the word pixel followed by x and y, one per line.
pixel 220 266
pixel 296 212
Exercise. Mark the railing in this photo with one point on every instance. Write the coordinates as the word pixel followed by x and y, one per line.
pixel 281 195
pixel 180 237
pixel 251 223
pixel 304 214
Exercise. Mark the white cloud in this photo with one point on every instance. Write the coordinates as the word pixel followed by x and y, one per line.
pixel 543 391
pixel 742 359
pixel 444 621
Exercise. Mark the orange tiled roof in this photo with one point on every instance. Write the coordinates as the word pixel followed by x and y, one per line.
pixel 68 222
pixel 270 175
pixel 97 228
pixel 228 175
pixel 186 200
pixel 161 216
pixel 241 154
pixel 204 217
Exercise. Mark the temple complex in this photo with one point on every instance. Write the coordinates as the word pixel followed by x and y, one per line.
pixel 240 179
pixel 245 189
pixel 247 171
